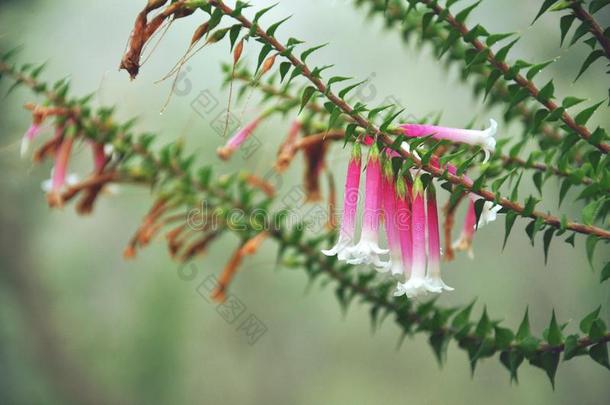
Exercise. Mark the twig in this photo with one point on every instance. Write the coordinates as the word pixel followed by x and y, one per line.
pixel 595 29
pixel 387 140
pixel 524 83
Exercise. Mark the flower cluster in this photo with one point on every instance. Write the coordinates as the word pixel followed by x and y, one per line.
pixel 60 148
pixel 405 204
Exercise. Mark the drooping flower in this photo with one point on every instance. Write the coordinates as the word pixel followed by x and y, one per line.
pixel 390 213
pixel 28 137
pixel 237 140
pixel 489 214
pixel 288 148
pixel 484 138
pixel 464 242
pixel 47 185
pixel 404 223
pixel 367 250
pixel 99 156
pixel 434 283
pixel 350 206
pixel 58 180
pixel 315 162
pixel 61 164
pixel 416 283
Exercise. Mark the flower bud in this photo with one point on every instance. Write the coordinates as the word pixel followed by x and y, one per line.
pixel 268 64
pixel 239 48
pixel 200 32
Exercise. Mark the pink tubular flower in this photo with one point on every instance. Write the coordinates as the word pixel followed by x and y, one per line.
pixel 488 214
pixel 238 139
pixel 404 223
pixel 350 206
pixel 99 156
pixel 58 179
pixel 416 283
pixel 367 251
pixel 434 283
pixel 61 165
pixel 28 137
pixel 464 243
pixel 288 148
pixel 390 210
pixel 485 138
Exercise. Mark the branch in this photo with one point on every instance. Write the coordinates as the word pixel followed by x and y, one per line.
pixel 387 140
pixel 271 90
pixel 406 312
pixel 524 83
pixel 396 13
pixel 441 324
pixel 594 27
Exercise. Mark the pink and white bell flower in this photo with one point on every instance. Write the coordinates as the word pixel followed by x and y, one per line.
pixel 59 174
pixel 464 242
pixel 29 136
pixel 367 251
pixel 237 140
pixel 100 158
pixel 489 214
pixel 347 230
pixel 70 180
pixel 434 283
pixel 483 138
pixel 390 214
pixel 416 284
pixel 404 223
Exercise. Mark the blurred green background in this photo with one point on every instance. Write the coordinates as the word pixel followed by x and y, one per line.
pixel 79 324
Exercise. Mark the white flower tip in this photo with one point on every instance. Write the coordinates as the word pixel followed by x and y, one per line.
pixel 487 155
pixel 329 252
pixel 72 179
pixel 413 288
pixel 489 213
pixel 340 249
pixel 46 185
pixel 436 285
pixel 493 127
pixel 489 141
pixel 344 254
pixel 366 252
pixel 25 146
pixel 108 149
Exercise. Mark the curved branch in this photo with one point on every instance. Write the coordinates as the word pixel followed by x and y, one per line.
pixel 396 13
pixel 388 141
pixel 407 312
pixel 337 135
pixel 524 83
pixel 594 28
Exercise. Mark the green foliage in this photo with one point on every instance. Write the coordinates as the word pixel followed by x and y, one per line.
pixel 565 149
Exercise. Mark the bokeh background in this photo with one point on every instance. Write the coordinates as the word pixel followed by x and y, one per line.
pixel 79 324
